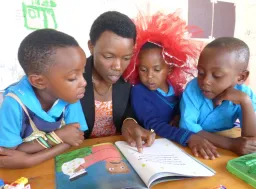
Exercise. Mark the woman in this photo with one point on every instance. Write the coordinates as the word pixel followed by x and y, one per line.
pixel 106 102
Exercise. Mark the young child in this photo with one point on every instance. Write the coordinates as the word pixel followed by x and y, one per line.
pixel 47 97
pixel 160 64
pixel 214 100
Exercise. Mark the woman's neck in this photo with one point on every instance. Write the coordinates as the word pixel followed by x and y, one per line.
pixel 102 89
pixel 99 79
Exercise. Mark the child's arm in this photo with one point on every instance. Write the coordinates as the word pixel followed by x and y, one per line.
pixel 150 119
pixel 10 123
pixel 69 134
pixel 190 111
pixel 14 159
pixel 218 140
pixel 176 118
pixel 247 113
pixel 240 145
pixel 30 147
pixel 189 120
pixel 248 119
pixel 175 121
pixel 133 133
pixel 74 114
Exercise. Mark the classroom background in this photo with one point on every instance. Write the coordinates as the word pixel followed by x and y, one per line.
pixel 215 17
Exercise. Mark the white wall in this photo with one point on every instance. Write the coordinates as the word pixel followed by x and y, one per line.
pixel 75 18
pixel 246 30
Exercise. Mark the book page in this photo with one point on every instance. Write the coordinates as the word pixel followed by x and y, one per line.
pixel 163 157
pixel 101 166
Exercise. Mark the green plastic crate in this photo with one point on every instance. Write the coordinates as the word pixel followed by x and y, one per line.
pixel 244 168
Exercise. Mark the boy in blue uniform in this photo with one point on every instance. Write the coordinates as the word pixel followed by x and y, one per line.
pixel 46 98
pixel 214 100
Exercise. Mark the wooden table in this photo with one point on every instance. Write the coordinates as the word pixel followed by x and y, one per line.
pixel 42 176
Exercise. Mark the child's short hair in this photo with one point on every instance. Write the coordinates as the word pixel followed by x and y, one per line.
pixel 232 44
pixel 36 49
pixel 113 21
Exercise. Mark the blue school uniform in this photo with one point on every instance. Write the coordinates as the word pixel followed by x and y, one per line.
pixel 198 113
pixel 155 110
pixel 14 122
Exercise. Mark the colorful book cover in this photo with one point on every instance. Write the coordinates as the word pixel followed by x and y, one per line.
pixel 97 167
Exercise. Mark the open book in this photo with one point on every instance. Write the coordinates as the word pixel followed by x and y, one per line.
pixel 104 167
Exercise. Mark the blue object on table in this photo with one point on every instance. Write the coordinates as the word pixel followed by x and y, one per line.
pixel 1 183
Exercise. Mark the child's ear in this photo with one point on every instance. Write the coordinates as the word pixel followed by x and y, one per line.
pixel 37 81
pixel 90 46
pixel 243 76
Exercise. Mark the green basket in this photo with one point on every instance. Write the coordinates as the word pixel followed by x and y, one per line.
pixel 244 168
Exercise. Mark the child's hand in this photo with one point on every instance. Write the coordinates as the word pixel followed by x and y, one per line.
pixel 200 145
pixel 231 94
pixel 14 159
pixel 244 145
pixel 175 121
pixel 71 134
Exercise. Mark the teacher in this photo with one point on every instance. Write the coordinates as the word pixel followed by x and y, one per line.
pixel 106 103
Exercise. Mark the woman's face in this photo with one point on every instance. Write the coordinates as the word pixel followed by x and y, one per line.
pixel 111 55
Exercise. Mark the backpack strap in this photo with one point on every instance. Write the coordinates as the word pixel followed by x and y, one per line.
pixel 36 133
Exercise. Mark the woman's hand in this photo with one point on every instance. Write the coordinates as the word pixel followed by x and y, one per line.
pixel 137 136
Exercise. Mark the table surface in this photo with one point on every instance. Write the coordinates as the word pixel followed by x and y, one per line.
pixel 43 176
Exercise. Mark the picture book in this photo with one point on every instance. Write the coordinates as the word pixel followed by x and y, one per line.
pixel 120 166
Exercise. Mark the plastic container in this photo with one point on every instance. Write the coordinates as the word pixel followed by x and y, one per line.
pixel 244 168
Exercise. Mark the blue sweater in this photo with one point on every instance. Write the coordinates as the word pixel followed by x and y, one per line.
pixel 155 110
